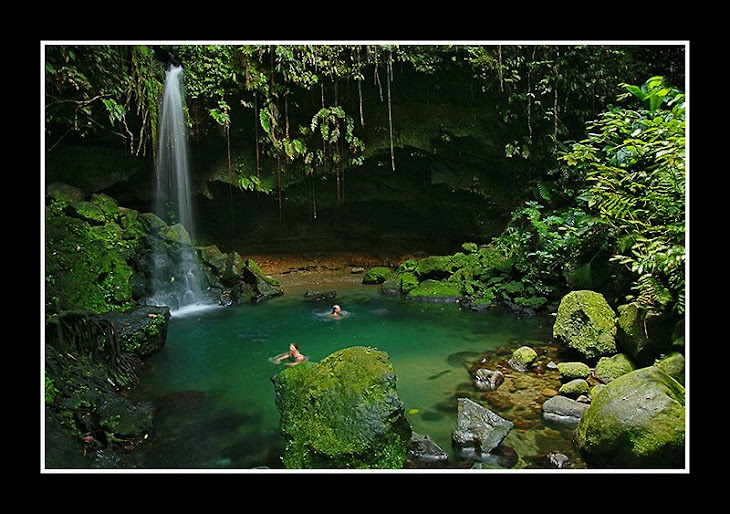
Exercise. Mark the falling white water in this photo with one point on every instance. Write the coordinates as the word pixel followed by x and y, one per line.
pixel 177 286
pixel 173 183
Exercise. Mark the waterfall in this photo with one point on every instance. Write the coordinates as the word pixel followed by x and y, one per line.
pixel 177 277
pixel 173 182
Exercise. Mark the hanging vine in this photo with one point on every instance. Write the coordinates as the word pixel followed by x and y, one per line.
pixel 389 66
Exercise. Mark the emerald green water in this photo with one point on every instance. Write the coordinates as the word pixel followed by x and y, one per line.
pixel 212 379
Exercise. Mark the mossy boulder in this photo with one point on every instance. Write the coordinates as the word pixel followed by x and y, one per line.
pixel 176 234
pixel 644 334
pixel 343 412
pixel 672 365
pixel 493 260
pixel 574 388
pixel 610 368
pixel 392 285
pixel 377 275
pixel 585 323
pixel 522 358
pixel 433 267
pixel 572 370
pixel 143 330
pixel 408 281
pixel 89 258
pixel 63 193
pixel 212 257
pixel 435 291
pixel 635 422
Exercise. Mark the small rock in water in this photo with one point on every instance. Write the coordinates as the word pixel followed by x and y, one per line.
pixel 423 451
pixel 487 379
pixel 559 460
pixel 315 296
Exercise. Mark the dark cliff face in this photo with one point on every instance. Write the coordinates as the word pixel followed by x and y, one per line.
pixel 447 181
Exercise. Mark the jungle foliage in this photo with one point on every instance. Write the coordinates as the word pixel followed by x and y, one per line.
pixel 621 195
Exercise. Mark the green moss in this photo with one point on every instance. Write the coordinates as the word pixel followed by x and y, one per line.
pixel 574 388
pixel 524 356
pixel 610 368
pixel 256 270
pixel 377 275
pixel 586 323
pixel 635 421
pixel 87 265
pixel 434 267
pixel 175 234
pixel 673 365
pixel 532 302
pixel 470 247
pixel 88 211
pixel 408 282
pixel 571 370
pixel 435 290
pixel 494 260
pixel 50 389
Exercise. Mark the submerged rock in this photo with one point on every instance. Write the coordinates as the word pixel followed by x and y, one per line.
pixel 318 296
pixel 343 412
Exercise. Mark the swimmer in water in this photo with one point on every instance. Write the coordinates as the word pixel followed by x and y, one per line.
pixel 293 354
pixel 336 310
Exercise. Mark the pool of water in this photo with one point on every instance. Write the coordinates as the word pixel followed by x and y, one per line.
pixel 212 381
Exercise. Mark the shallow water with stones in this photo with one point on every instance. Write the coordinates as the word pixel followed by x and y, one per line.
pixel 216 411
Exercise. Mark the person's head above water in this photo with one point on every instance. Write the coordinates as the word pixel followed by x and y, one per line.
pixel 336 309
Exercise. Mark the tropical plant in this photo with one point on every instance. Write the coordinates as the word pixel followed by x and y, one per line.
pixel 95 90
pixel 634 163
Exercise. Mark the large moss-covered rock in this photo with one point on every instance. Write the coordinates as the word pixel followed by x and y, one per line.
pixel 635 421
pixel 643 334
pixel 585 323
pixel 343 412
